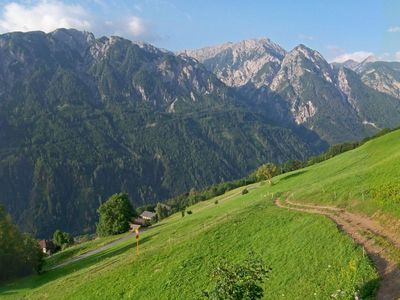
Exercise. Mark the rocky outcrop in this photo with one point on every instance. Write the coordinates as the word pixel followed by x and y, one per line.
pixel 236 64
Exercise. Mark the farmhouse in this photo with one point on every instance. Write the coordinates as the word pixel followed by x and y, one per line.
pixel 133 226
pixel 148 215
pixel 47 246
pixel 139 221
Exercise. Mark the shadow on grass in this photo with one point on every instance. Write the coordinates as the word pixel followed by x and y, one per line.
pixel 37 281
pixel 152 226
pixel 368 290
pixel 388 287
pixel 293 175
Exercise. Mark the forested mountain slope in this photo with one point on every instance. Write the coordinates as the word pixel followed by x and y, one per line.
pixel 82 118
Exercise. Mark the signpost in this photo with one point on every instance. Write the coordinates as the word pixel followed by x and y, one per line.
pixel 136 228
pixel 137 241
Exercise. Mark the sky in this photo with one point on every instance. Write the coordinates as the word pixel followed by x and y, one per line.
pixel 338 29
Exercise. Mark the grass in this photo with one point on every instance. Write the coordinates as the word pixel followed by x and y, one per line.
pixel 310 258
pixel 364 180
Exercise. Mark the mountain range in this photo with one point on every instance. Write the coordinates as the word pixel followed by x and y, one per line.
pixel 83 117
pixel 340 102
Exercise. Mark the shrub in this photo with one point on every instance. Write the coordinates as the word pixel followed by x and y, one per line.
pixel 245 191
pixel 240 281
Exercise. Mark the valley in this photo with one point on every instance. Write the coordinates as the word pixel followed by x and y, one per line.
pixel 310 256
pixel 214 150
pixel 95 116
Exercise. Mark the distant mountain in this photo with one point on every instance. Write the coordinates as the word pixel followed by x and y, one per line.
pixel 300 86
pixel 253 61
pixel 375 109
pixel 82 118
pixel 383 77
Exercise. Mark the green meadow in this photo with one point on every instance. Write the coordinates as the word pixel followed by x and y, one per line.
pixel 365 180
pixel 309 256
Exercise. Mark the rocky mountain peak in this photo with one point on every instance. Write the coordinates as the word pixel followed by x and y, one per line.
pixel 304 52
pixel 72 35
pixel 236 64
pixel 350 64
pixel 369 59
pixel 300 61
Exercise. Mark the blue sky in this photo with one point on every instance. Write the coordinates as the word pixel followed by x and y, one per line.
pixel 338 29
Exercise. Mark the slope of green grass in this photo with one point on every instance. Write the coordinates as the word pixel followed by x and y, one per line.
pixel 79 249
pixel 310 258
pixel 366 180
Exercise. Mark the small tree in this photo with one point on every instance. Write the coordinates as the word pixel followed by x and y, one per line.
pixel 266 172
pixel 114 215
pixel 161 211
pixel 240 281
pixel 20 254
pixel 62 239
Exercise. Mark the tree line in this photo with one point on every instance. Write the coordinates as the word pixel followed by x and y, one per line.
pixel 265 172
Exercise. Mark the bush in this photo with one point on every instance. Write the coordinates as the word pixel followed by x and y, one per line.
pixel 245 191
pixel 189 212
pixel 240 281
pixel 216 201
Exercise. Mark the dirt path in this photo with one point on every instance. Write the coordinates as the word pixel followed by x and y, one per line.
pixel 364 232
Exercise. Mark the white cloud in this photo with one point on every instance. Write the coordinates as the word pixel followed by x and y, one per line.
pixel 397 56
pixel 357 56
pixel 137 26
pixel 305 37
pixel 43 15
pixel 394 29
pixel 48 15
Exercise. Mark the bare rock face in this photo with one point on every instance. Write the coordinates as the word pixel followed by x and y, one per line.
pixel 339 101
pixel 236 64
pixel 345 87
pixel 304 112
pixel 302 72
pixel 383 77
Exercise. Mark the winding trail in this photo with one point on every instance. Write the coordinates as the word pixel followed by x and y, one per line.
pixel 364 232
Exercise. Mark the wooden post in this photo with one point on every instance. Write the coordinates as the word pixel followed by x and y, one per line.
pixel 137 241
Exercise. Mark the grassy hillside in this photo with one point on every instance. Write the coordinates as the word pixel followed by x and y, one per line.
pixel 308 255
pixel 364 180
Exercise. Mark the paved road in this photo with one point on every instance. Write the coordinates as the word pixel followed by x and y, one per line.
pixel 131 235
pixel 94 251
